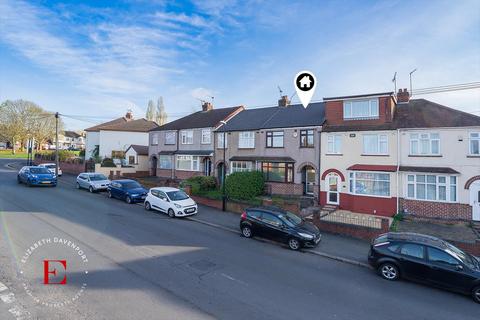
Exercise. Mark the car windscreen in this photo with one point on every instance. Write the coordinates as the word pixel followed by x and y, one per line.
pixel 463 256
pixel 39 170
pixel 177 195
pixel 291 219
pixel 50 166
pixel 97 177
pixel 131 185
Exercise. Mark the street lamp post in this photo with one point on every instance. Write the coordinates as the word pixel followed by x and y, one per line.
pixel 224 196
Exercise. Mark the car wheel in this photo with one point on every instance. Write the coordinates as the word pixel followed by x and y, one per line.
pixel 389 271
pixel 110 194
pixel 294 244
pixel 247 232
pixel 128 200
pixel 148 207
pixel 90 189
pixel 77 185
pixel 171 213
pixel 476 294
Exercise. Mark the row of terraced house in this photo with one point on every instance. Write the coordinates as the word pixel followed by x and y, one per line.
pixel 377 153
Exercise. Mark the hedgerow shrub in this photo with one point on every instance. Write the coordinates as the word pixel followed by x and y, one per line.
pixel 244 185
pixel 200 183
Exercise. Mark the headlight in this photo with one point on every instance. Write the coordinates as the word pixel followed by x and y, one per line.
pixel 34 176
pixel 305 236
pixel 177 205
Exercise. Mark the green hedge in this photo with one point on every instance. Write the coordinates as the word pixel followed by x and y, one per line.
pixel 200 184
pixel 244 185
pixel 108 163
pixel 63 155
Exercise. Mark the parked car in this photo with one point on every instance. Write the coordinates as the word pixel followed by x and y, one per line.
pixel 426 259
pixel 129 190
pixel 92 181
pixel 280 225
pixel 172 201
pixel 51 167
pixel 36 176
pixel 3 146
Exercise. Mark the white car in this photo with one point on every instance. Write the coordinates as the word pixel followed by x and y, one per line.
pixel 171 201
pixel 92 181
pixel 51 168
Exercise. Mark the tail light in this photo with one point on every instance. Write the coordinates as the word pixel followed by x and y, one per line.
pixel 244 215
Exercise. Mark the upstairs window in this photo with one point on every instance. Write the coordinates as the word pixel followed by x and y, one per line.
pixel 220 137
pixel 360 109
pixel 170 137
pixel 375 144
pixel 206 136
pixel 306 138
pixel 334 144
pixel 425 144
pixel 475 143
pixel 246 140
pixel 154 139
pixel 187 137
pixel 274 139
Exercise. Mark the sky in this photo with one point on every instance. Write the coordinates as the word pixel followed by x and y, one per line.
pixel 96 59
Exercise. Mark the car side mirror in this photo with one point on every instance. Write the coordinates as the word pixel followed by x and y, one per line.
pixel 458 267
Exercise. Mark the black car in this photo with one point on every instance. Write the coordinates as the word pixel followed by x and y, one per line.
pixel 426 259
pixel 280 225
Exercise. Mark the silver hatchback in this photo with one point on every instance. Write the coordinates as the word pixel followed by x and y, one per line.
pixel 92 181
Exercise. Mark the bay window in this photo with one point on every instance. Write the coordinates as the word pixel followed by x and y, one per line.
pixel 334 144
pixel 360 109
pixel 274 139
pixel 187 163
pixel 277 171
pixel 475 143
pixel 375 144
pixel 165 162
pixel 240 166
pixel 432 187
pixel 370 183
pixel 246 140
pixel 424 144
pixel 187 137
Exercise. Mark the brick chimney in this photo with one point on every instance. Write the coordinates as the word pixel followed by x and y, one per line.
pixel 403 96
pixel 129 115
pixel 283 101
pixel 207 106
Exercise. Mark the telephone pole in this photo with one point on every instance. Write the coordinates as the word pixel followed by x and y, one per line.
pixel 56 144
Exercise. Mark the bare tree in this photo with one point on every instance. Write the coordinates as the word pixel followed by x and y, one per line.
pixel 150 115
pixel 160 116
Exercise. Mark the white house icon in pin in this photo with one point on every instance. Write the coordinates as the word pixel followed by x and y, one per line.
pixel 305 82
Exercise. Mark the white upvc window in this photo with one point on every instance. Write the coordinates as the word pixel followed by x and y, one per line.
pixel 375 144
pixel 474 143
pixel 220 137
pixel 240 166
pixel 154 139
pixel 246 140
pixel 425 143
pixel 170 137
pixel 206 136
pixel 334 144
pixel 187 163
pixel 165 162
pixel 187 136
pixel 370 183
pixel 360 109
pixel 432 187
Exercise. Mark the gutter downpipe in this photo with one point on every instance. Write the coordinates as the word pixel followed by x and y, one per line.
pixel 398 169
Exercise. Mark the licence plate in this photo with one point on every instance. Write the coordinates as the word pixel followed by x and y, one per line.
pixel 45 182
pixel 190 210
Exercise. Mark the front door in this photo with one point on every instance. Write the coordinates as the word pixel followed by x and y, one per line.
pixel 207 166
pixel 333 195
pixel 475 200
pixel 308 180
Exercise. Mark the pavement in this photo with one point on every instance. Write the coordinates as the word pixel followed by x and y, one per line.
pixel 144 265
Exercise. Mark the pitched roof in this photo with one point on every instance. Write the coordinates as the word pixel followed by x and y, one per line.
pixel 200 119
pixel 139 125
pixel 140 150
pixel 98 127
pixel 71 134
pixel 277 117
pixel 421 113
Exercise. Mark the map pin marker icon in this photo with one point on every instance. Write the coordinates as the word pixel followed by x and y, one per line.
pixel 305 84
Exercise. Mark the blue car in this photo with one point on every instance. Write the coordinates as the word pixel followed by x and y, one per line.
pixel 36 176
pixel 129 190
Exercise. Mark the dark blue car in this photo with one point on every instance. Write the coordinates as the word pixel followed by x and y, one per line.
pixel 36 176
pixel 129 190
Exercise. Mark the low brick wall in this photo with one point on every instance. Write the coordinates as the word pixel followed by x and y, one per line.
pixel 207 202
pixel 285 188
pixel 138 174
pixel 436 210
pixel 231 206
pixel 355 231
pixel 66 167
pixel 164 173
pixel 182 175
